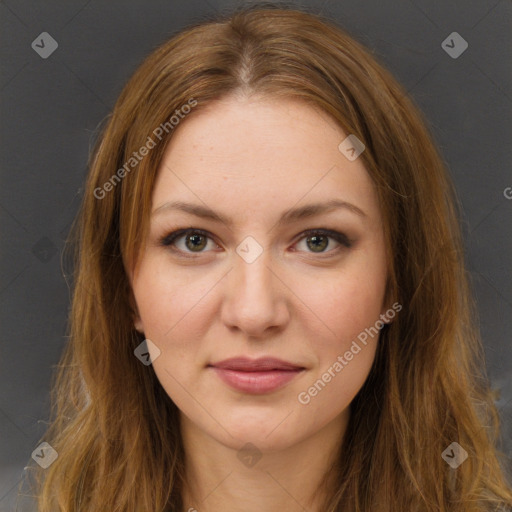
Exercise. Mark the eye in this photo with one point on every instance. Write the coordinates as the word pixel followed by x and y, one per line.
pixel 194 240
pixel 318 240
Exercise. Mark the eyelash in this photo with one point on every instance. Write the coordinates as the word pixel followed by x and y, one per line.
pixel 169 239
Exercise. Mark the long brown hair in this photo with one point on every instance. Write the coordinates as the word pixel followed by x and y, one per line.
pixel 113 426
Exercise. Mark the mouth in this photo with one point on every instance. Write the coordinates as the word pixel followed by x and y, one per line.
pixel 257 376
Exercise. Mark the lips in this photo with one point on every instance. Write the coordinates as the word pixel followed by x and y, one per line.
pixel 244 364
pixel 258 376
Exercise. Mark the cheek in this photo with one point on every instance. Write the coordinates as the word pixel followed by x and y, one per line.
pixel 170 308
pixel 346 303
pixel 168 301
pixel 349 315
pixel 349 307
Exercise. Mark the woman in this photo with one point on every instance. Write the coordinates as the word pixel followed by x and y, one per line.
pixel 270 308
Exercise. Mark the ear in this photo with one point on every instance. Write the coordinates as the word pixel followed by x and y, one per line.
pixel 136 319
pixel 137 323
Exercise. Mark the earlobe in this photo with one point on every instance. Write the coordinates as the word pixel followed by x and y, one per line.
pixel 137 323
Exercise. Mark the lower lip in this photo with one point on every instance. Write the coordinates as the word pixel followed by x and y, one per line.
pixel 256 383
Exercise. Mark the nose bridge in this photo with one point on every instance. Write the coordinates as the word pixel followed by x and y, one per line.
pixel 253 302
pixel 254 278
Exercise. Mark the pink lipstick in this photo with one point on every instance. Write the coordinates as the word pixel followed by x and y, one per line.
pixel 256 376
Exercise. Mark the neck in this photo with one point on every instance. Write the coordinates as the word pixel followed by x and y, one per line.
pixel 292 478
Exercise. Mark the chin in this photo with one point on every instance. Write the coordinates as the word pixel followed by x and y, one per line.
pixel 274 430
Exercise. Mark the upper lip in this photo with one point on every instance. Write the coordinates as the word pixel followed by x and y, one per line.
pixel 254 365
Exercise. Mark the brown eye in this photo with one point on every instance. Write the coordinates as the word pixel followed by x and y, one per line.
pixel 320 241
pixel 195 242
pixel 317 243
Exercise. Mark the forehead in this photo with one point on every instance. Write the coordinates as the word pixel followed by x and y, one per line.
pixel 243 155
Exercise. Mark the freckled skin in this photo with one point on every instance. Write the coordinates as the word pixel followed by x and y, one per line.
pixel 252 159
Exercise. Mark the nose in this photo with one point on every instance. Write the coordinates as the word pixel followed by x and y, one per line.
pixel 255 299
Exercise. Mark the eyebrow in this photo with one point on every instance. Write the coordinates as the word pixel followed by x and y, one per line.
pixel 289 216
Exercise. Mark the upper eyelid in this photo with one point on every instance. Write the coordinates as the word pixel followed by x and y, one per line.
pixel 178 233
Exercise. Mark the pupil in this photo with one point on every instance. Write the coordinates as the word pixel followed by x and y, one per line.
pixel 319 243
pixel 195 242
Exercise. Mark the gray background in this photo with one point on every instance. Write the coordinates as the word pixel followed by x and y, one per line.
pixel 51 108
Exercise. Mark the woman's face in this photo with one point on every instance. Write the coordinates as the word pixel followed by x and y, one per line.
pixel 255 284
